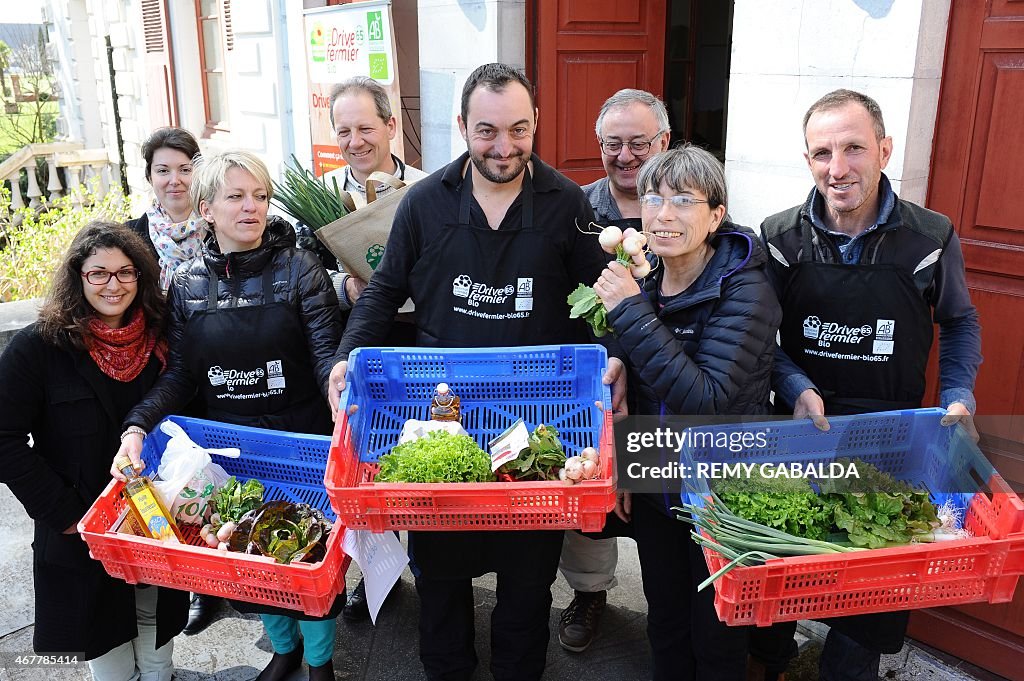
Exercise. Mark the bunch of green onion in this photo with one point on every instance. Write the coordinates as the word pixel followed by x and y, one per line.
pixel 309 199
pixel 744 542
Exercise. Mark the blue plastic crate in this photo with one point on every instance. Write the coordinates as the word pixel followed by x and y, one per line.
pixel 552 384
pixel 290 465
pixel 911 445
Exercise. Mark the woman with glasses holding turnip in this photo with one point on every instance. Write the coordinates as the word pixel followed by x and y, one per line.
pixel 699 335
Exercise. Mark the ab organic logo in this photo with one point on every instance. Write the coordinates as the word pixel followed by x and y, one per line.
pixel 316 41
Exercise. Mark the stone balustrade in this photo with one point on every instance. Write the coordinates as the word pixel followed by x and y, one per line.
pixel 79 165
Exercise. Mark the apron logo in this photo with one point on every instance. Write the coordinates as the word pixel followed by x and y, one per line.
pixel 275 375
pixel 461 286
pixel 233 378
pixel 476 293
pixel 827 333
pixel 884 330
pixel 216 375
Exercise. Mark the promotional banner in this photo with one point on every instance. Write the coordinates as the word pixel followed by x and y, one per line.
pixel 344 41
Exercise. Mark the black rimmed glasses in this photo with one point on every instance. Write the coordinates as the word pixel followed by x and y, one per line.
pixel 680 202
pixel 103 277
pixel 636 147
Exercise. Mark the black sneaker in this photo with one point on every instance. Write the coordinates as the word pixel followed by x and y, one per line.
pixel 356 608
pixel 579 621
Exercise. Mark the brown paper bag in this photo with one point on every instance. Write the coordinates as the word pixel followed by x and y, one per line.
pixel 358 239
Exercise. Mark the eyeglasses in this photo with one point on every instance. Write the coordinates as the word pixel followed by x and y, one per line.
pixel 656 201
pixel 103 277
pixel 636 147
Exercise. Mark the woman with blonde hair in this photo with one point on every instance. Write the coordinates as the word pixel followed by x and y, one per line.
pixel 252 305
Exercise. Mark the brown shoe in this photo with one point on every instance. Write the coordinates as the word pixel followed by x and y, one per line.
pixel 579 621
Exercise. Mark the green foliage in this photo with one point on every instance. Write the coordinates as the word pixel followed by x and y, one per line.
pixel 438 457
pixel 787 504
pixel 586 304
pixel 31 251
pixel 876 510
pixel 540 459
pixel 235 499
pixel 308 198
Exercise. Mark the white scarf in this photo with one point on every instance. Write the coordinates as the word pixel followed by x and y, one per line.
pixel 175 242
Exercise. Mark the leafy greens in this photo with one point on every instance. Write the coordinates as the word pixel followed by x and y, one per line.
pixel 438 457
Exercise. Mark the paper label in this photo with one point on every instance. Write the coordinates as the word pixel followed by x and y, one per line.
pixel 152 516
pixel 381 559
pixel 506 447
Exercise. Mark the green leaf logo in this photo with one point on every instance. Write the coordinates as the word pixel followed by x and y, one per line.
pixel 373 256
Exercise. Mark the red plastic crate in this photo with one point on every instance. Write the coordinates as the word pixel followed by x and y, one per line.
pixel 285 465
pixel 556 385
pixel 983 568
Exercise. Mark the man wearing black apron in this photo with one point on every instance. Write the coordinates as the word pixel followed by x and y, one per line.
pixel 632 126
pixel 862 275
pixel 488 249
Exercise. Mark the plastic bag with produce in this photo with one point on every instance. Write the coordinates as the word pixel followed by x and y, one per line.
pixel 188 476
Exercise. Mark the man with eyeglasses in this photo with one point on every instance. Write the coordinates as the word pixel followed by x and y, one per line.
pixel 631 127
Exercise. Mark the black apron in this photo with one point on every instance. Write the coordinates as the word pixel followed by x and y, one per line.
pixel 485 288
pixel 254 369
pixel 862 334
pixel 252 364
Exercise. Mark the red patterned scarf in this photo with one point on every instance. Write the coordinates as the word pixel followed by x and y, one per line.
pixel 123 353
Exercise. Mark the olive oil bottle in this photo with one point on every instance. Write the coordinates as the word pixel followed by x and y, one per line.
pixel 145 504
pixel 445 406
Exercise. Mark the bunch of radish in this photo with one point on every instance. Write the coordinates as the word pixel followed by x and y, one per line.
pixel 629 248
pixel 217 534
pixel 584 466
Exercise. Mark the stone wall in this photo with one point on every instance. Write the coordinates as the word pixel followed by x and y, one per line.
pixel 786 55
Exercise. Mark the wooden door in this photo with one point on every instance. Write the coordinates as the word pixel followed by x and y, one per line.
pixel 583 51
pixel 977 180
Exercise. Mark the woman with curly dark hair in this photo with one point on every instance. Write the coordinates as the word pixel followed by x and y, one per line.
pixel 66 383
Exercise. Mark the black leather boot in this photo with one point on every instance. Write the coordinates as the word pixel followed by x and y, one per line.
pixel 200 613
pixel 282 665
pixel 324 672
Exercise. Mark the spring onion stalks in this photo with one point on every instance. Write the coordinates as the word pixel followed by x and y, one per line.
pixel 309 199
pixel 744 542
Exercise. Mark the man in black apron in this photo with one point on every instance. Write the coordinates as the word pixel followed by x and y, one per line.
pixel 632 126
pixel 862 275
pixel 488 249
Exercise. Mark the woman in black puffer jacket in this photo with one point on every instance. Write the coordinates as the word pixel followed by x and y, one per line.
pixel 253 328
pixel 699 337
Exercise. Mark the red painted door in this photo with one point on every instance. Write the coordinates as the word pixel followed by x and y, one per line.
pixel 582 52
pixel 977 180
